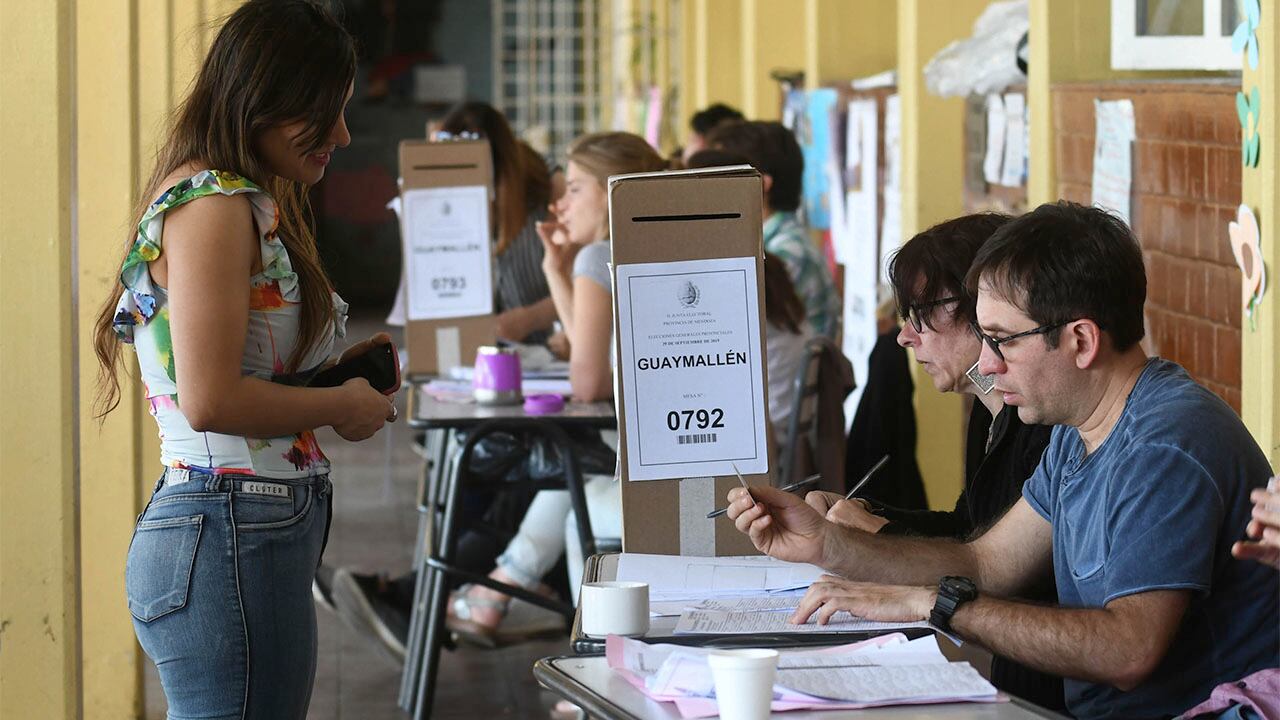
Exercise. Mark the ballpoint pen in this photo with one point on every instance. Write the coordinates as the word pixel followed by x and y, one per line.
pixel 789 488
pixel 858 485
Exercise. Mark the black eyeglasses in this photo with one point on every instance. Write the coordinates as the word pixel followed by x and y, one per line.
pixel 995 343
pixel 914 311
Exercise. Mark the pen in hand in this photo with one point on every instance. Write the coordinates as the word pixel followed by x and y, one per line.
pixel 858 485
pixel 789 488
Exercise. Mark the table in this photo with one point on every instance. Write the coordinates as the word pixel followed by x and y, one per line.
pixel 662 629
pixel 589 683
pixel 438 526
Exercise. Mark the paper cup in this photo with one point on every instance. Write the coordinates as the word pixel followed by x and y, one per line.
pixel 614 608
pixel 744 682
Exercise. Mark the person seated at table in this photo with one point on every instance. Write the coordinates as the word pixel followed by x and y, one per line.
pixel 927 275
pixel 522 190
pixel 575 238
pixel 772 149
pixel 1143 488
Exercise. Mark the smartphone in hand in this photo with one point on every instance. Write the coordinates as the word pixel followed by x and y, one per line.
pixel 380 365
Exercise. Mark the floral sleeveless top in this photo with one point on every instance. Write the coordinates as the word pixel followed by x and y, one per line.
pixel 142 319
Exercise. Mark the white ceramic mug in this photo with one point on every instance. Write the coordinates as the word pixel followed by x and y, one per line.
pixel 744 682
pixel 614 608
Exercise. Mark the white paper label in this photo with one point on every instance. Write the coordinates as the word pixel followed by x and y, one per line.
pixel 693 389
pixel 446 242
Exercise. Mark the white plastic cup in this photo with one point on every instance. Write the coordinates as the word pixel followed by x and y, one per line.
pixel 744 682
pixel 614 608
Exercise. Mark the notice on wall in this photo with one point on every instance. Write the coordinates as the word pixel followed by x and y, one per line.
pixel 861 257
pixel 993 160
pixel 891 227
pixel 694 400
pixel 447 256
pixel 1113 156
pixel 1014 170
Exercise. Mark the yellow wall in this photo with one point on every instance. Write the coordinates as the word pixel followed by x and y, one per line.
pixel 69 649
pixel 1261 191
pixel 847 39
pixel 39 592
pixel 932 184
pixel 773 37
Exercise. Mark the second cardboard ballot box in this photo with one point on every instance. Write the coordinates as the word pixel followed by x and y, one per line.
pixel 447 252
pixel 690 379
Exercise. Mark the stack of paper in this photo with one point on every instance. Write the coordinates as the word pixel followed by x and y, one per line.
pixel 735 595
pixel 887 670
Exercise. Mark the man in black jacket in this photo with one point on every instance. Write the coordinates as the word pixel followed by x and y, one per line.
pixel 928 274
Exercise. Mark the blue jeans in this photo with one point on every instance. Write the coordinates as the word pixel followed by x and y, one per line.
pixel 219 584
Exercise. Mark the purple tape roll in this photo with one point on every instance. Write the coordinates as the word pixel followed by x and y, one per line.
pixel 543 404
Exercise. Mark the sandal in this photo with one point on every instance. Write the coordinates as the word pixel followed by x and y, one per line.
pixel 461 616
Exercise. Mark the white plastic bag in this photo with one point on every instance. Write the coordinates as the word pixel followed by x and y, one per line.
pixel 986 62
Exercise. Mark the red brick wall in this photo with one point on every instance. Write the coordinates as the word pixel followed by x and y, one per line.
pixel 1186 188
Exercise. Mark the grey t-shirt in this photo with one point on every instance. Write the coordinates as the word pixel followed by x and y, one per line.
pixel 592 262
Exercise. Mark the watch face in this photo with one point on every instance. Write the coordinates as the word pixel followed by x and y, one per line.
pixel 961 587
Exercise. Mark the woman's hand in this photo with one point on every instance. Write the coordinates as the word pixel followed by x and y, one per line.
pixel 366 410
pixel 1264 528
pixel 558 255
pixel 559 346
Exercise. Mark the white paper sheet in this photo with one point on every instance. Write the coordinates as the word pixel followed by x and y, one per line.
pixel 891 228
pixel 691 355
pixel 696 578
pixel 993 160
pixel 1113 156
pixel 889 684
pixel 447 255
pixel 715 622
pixel 1015 140
pixel 861 257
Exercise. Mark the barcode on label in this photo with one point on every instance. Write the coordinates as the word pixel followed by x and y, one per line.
pixel 696 438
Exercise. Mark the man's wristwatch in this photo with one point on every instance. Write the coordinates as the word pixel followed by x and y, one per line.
pixel 953 592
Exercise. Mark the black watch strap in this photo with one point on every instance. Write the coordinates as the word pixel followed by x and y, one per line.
pixel 953 591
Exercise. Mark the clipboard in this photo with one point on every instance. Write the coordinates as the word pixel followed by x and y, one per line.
pixel 668 217
pixel 436 345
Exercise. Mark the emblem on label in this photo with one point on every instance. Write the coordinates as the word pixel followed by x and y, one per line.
pixel 261 488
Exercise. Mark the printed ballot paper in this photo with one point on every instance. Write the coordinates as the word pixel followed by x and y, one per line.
pixel 447 252
pixel 444 221
pixel 688 264
pixel 886 670
pixel 690 336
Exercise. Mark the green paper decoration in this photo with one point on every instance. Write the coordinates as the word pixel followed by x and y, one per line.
pixel 1248 107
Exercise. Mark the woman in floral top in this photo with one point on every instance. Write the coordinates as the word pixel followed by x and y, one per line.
pixel 221 293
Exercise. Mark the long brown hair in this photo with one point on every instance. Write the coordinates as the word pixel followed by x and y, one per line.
pixel 273 62
pixel 521 181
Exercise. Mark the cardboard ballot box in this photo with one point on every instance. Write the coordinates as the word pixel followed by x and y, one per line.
pixel 447 252
pixel 690 378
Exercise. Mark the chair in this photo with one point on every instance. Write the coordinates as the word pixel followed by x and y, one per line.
pixel 824 380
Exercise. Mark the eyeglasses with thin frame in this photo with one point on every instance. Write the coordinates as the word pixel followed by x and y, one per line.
pixel 995 343
pixel 917 320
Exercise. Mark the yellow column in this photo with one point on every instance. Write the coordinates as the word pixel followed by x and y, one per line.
pixel 39 461
pixel 717 53
pixel 188 47
pixel 106 89
pixel 772 38
pixel 718 49
pixel 932 184
pixel 686 28
pixel 1260 191
pixel 847 39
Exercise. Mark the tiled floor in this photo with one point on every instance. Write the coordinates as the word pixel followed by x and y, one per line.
pixel 374 525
